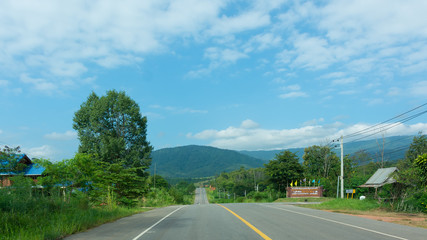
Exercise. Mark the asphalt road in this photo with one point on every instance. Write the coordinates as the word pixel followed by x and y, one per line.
pixel 247 221
pixel 201 197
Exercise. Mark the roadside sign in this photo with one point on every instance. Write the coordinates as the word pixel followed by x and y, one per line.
pixel 352 191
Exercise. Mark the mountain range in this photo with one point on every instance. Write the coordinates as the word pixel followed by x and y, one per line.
pixel 198 161
pixel 202 161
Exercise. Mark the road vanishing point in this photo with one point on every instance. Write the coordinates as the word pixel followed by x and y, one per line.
pixel 246 221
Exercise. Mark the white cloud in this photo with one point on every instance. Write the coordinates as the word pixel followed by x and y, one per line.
pixel 219 58
pixel 419 88
pixel 68 135
pixel 262 42
pixel 344 81
pixel 293 95
pixel 348 92
pixel 62 39
pixel 178 110
pixel 245 21
pixel 240 138
pixel 312 52
pixel 375 101
pixel 313 122
pixel 380 36
pixel 44 151
pixel 394 91
pixel 1 131
pixel 294 87
pixel 4 83
pixel 334 75
pixel 223 55
pixel 39 84
pixel 248 123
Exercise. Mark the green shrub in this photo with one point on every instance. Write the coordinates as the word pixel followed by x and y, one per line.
pixel 417 202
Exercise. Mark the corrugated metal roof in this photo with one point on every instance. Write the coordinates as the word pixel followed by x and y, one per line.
pixel 34 169
pixel 31 169
pixel 381 176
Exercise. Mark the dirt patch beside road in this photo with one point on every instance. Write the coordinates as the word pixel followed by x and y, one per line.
pixel 409 219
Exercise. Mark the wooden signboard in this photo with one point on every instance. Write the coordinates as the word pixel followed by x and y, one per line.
pixel 301 192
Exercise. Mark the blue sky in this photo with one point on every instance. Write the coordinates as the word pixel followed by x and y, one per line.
pixel 243 75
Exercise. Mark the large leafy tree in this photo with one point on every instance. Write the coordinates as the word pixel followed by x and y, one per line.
pixel 421 168
pixel 411 167
pixel 9 160
pixel 417 147
pixel 112 129
pixel 320 161
pixel 284 168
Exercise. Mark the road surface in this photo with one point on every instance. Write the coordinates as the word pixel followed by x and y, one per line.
pixel 247 221
pixel 201 197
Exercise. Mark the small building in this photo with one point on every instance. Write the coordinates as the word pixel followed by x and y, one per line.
pixel 380 178
pixel 31 170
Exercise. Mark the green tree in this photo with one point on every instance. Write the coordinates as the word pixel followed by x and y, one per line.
pixel 112 129
pixel 417 147
pixel 9 160
pixel 284 168
pixel 361 158
pixel 320 161
pixel 408 170
pixel 421 166
pixel 158 182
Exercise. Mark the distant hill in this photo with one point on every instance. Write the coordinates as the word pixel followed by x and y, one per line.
pixel 394 149
pixel 202 161
pixel 267 155
pixel 198 161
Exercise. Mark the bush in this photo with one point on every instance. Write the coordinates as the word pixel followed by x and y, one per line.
pixel 417 202
pixel 260 196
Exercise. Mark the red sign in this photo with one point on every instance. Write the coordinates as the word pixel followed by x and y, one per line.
pixel 301 192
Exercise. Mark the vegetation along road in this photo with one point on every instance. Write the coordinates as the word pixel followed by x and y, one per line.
pixel 246 221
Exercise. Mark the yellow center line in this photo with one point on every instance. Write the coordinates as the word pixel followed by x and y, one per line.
pixel 247 223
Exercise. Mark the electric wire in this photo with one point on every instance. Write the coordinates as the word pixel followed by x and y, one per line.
pixel 361 132
pixel 382 129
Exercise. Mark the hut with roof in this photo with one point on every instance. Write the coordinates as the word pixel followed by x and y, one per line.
pixel 380 178
pixel 29 169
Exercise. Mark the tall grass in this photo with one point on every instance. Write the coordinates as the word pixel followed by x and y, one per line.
pixel 347 204
pixel 26 214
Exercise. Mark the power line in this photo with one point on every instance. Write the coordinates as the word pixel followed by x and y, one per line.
pixel 387 142
pixel 361 132
pixel 389 126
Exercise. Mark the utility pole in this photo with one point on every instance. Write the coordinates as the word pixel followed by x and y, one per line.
pixel 255 182
pixel 342 166
pixel 154 175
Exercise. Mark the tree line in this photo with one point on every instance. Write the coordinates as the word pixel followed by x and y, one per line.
pixel 321 166
pixel 112 160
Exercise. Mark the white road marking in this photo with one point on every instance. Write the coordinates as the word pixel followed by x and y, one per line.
pixel 330 220
pixel 148 229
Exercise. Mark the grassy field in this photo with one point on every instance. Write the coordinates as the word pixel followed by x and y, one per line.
pixel 347 204
pixel 370 209
pixel 24 217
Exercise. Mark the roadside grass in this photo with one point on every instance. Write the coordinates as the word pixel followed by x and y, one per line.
pixel 371 209
pixel 346 205
pixel 52 217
